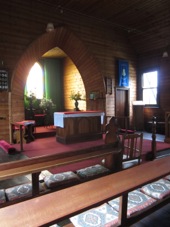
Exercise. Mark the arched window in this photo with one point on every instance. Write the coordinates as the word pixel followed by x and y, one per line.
pixel 35 82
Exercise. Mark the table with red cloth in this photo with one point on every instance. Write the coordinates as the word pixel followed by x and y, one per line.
pixel 21 125
pixel 76 126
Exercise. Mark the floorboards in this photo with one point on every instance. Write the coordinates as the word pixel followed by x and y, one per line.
pixel 160 218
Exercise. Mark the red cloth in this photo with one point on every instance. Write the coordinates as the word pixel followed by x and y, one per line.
pixel 7 147
pixel 40 115
pixel 77 112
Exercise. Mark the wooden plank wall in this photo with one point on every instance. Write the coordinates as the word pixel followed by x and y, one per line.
pixel 23 22
pixel 72 83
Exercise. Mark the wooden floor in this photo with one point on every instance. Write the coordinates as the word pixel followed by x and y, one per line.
pixel 160 218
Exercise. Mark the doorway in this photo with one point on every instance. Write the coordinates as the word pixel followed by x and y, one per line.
pixel 122 106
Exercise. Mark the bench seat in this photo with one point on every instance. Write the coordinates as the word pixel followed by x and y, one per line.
pixel 107 214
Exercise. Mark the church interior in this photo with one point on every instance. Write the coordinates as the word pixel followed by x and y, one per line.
pixel 84 92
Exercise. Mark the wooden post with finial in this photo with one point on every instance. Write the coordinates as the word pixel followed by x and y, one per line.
pixel 153 137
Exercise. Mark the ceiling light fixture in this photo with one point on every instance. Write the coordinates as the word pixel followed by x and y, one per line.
pixel 165 54
pixel 50 27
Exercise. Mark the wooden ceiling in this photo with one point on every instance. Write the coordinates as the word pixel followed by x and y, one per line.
pixel 147 22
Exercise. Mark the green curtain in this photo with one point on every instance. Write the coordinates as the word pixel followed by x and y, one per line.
pixel 53 81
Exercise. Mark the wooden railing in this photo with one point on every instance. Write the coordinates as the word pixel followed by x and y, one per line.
pixel 56 206
pixel 167 127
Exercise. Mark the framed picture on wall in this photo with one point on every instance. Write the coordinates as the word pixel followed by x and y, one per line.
pixel 123 77
pixel 94 95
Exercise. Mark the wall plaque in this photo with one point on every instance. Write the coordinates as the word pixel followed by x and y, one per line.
pixel 3 80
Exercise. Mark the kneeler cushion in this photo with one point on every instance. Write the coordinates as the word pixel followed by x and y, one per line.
pixel 158 189
pixel 2 196
pixel 137 202
pixel 92 171
pixel 103 216
pixel 7 147
pixel 60 179
pixel 20 191
pixel 167 177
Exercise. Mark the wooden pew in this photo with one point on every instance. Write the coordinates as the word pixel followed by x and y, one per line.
pixel 56 206
pixel 110 153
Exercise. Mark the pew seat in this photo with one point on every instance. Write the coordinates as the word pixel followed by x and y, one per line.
pixel 107 214
pixel 55 181
pixel 63 204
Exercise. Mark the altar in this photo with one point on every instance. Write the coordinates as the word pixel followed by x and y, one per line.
pixel 78 126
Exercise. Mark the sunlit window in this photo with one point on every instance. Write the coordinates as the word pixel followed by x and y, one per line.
pixel 150 87
pixel 35 82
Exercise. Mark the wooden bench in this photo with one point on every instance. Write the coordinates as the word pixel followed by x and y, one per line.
pixel 111 154
pixel 56 206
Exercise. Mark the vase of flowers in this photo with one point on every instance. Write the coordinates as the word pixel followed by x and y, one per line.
pixel 76 97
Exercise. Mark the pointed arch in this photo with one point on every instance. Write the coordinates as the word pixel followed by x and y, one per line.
pixel 66 40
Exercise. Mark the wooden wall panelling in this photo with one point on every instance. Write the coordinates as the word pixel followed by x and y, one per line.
pixel 26 40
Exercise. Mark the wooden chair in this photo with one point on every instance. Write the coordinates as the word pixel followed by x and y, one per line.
pixel 132 149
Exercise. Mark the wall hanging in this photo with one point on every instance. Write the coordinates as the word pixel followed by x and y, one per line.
pixel 123 79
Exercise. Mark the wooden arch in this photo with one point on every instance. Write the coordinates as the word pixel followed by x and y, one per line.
pixel 63 38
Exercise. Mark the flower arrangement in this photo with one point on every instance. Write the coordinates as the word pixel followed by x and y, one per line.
pixel 46 103
pixel 75 96
pixel 30 101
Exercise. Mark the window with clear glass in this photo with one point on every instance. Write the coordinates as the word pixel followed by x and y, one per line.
pixel 150 87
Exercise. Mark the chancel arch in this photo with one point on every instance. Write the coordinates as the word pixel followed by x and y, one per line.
pixel 66 40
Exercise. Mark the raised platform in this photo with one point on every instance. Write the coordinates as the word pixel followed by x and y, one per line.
pixel 43 132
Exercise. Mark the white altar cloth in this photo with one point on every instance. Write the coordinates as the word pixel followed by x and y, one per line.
pixel 59 116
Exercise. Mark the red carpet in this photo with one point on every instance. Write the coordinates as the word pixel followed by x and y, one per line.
pixel 159 146
pixel 49 146
pixel 45 146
